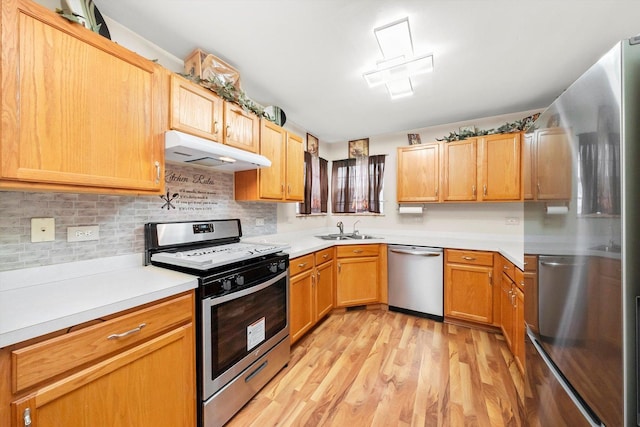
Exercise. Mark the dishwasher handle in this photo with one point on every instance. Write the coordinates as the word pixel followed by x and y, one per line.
pixel 414 252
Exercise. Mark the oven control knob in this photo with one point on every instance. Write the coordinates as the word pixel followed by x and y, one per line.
pixel 273 267
pixel 282 265
pixel 240 280
pixel 226 284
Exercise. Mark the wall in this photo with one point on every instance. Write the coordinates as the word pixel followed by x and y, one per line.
pixel 191 193
pixel 455 217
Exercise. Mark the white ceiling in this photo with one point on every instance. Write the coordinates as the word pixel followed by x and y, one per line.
pixel 491 57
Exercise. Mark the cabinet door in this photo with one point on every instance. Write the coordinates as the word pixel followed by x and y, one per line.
pixel 419 173
pixel 553 165
pixel 357 281
pixel 196 110
pixel 518 328
pixel 272 146
pixel 294 168
pixel 324 289
pixel 506 310
pixel 242 129
pixel 300 305
pixel 460 170
pixel 501 167
pixel 469 292
pixel 528 158
pixel 78 110
pixel 148 385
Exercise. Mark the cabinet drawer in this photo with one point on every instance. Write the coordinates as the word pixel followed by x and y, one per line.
pixel 530 263
pixel 507 267
pixel 300 264
pixel 470 257
pixel 324 256
pixel 349 251
pixel 44 360
pixel 519 278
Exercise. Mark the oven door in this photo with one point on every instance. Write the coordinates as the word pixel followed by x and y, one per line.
pixel 239 328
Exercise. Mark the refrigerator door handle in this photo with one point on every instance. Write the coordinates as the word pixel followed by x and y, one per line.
pixel 586 413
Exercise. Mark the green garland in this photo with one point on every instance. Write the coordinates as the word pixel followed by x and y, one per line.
pixel 229 92
pixel 517 126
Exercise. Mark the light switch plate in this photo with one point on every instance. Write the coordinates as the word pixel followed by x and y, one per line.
pixel 83 233
pixel 43 230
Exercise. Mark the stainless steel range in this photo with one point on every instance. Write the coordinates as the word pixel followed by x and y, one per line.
pixel 242 322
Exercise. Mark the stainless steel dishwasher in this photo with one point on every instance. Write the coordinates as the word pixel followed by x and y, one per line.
pixel 416 280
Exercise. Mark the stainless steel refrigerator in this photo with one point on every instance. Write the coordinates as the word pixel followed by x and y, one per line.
pixel 582 233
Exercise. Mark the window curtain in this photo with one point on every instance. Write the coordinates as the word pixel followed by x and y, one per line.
pixel 356 184
pixel 324 185
pixel 342 175
pixel 305 206
pixel 316 185
pixel 376 180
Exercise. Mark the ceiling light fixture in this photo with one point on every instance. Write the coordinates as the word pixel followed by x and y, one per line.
pixel 399 65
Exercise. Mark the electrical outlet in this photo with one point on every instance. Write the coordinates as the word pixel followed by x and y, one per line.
pixel 259 222
pixel 83 233
pixel 512 220
pixel 43 229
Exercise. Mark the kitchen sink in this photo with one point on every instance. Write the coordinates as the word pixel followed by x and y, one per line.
pixel 346 237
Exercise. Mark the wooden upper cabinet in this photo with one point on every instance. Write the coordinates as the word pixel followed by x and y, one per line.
pixel 284 180
pixel 272 146
pixel 79 112
pixel 553 164
pixel 460 179
pixel 196 110
pixel 294 172
pixel 500 167
pixel 419 173
pixel 528 166
pixel 242 129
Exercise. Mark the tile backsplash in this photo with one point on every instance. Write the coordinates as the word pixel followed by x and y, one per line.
pixel 191 193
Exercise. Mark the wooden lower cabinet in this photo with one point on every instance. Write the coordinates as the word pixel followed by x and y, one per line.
pixel 361 275
pixel 507 318
pixel 512 309
pixel 141 380
pixel 468 286
pixel 310 291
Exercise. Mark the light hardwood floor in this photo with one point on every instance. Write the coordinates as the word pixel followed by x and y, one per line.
pixel 380 368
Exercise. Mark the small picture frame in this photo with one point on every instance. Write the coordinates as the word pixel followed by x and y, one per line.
pixel 312 145
pixel 358 148
pixel 414 138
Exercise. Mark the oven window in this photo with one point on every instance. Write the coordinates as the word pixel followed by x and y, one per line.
pixel 265 310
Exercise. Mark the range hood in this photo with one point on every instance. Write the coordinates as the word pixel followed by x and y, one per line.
pixel 184 148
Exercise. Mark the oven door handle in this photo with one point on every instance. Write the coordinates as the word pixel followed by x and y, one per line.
pixel 230 297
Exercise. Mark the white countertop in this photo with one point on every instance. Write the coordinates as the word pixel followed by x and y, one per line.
pixel 302 243
pixel 34 304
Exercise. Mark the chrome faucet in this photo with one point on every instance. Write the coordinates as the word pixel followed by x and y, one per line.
pixel 355 230
pixel 340 227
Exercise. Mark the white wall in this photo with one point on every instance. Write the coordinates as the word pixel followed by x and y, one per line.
pixel 455 217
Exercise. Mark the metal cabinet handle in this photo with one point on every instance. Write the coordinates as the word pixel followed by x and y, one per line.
pixel 484 190
pixel 215 127
pixel 26 417
pixel 325 256
pixel 126 334
pixel 468 258
pixel 473 188
pixel 505 267
pixel 228 130
pixel 357 251
pixel 538 185
pixel 436 191
pixel 339 267
pixel 157 165
pixel 282 188
pixel 302 265
pixel 318 275
pixel 490 279
pixel 522 284
pixel 289 188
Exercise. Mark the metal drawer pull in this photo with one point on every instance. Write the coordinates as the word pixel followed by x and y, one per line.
pixel 357 251
pixel 468 258
pixel 325 256
pixel 302 265
pixel 522 284
pixel 125 334
pixel 256 372
pixel 505 267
